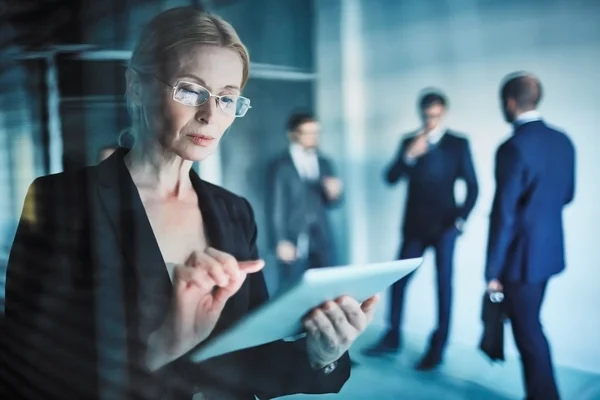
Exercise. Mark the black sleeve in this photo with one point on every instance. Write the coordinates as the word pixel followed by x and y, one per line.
pixel 399 168
pixel 467 172
pixel 50 340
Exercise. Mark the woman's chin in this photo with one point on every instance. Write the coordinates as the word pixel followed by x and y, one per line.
pixel 198 153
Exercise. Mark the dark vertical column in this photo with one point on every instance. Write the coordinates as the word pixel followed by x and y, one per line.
pixel 45 115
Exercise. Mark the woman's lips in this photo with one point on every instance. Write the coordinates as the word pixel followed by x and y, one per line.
pixel 201 140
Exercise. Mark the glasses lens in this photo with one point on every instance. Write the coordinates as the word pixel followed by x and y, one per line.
pixel 236 106
pixel 194 95
pixel 190 94
pixel 242 106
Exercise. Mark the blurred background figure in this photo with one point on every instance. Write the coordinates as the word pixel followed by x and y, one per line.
pixel 432 159
pixel 535 179
pixel 303 187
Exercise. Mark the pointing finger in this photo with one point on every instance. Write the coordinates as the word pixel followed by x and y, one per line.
pixel 250 267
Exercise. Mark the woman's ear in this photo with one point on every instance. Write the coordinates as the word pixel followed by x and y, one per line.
pixel 134 87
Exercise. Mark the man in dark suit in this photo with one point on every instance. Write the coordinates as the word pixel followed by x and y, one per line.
pixel 535 179
pixel 432 159
pixel 303 185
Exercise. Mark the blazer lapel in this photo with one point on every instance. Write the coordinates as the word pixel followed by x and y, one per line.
pixel 217 222
pixel 289 163
pixel 323 167
pixel 219 225
pixel 147 284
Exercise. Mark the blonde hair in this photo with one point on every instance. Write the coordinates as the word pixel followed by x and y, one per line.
pixel 169 32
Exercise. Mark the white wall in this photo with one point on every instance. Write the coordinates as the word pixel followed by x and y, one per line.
pixel 465 48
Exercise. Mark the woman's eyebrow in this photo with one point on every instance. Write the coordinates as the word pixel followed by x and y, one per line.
pixel 203 82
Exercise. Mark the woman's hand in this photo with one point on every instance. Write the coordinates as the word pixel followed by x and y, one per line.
pixel 201 288
pixel 333 327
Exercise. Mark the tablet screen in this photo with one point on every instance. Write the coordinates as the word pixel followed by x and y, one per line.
pixel 289 307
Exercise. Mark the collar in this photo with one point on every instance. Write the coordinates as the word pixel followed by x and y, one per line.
pixel 435 135
pixel 296 149
pixel 527 116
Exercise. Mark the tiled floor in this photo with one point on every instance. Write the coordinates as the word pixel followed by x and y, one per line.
pixel 465 375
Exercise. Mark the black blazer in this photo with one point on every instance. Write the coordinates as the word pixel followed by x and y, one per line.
pixel 86 285
pixel 294 203
pixel 431 208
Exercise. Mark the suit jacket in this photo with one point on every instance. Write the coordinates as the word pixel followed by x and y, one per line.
pixel 86 285
pixel 431 208
pixel 295 204
pixel 535 179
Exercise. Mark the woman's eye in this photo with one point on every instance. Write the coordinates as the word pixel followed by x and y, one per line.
pixel 189 92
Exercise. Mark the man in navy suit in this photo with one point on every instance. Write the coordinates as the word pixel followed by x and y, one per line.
pixel 535 179
pixel 432 159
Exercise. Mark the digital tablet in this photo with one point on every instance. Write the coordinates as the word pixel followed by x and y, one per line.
pixel 281 317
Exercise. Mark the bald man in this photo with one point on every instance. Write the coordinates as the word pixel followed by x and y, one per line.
pixel 535 179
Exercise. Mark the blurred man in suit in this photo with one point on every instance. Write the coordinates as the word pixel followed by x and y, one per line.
pixel 432 159
pixel 303 185
pixel 535 179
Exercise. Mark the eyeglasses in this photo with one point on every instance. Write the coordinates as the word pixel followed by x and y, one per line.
pixel 193 95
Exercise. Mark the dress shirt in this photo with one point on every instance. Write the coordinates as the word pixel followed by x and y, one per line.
pixel 305 161
pixel 436 135
pixel 527 116
pixel 433 138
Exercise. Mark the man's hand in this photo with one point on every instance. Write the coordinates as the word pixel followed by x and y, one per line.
pixel 332 328
pixel 333 188
pixel 494 286
pixel 286 251
pixel 418 147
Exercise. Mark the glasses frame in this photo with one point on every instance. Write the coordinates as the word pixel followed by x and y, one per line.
pixel 217 97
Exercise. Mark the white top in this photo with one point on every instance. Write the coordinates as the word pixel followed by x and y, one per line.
pixel 305 161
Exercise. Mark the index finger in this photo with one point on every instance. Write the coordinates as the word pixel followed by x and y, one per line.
pixel 250 267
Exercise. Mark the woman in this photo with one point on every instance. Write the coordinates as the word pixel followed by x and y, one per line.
pixel 118 271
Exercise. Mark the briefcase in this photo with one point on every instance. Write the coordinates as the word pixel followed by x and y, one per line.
pixel 493 317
